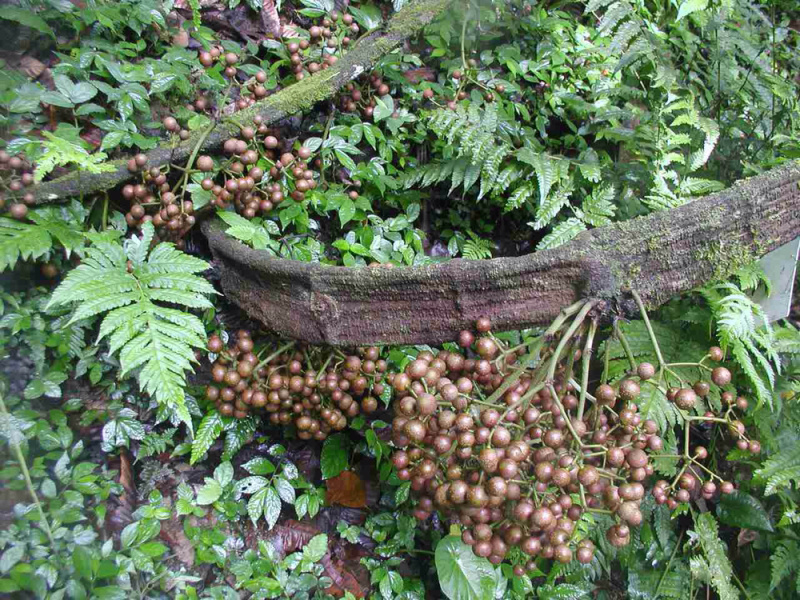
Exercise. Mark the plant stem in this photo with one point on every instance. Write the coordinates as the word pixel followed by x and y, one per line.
pixel 277 352
pixel 27 476
pixel 625 346
pixel 535 349
pixel 669 563
pixel 463 36
pixel 586 360
pixel 651 333
pixel 192 156
pixel 551 371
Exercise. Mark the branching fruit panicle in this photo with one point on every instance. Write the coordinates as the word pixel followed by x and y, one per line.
pixel 507 443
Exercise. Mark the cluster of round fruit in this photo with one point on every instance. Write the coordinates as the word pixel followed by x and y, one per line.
pixel 516 455
pixel 333 32
pixel 363 97
pixel 316 402
pixel 255 84
pixel 20 177
pixel 252 192
pixel 171 216
pixel 217 54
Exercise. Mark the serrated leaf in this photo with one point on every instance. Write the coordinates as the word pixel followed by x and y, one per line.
pixel 285 490
pixel 209 430
pixel 561 233
pixel 691 6
pixel 272 507
pixel 156 340
pixel 335 455
pixel 716 569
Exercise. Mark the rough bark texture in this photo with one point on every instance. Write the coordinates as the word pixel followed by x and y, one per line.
pixel 298 97
pixel 658 255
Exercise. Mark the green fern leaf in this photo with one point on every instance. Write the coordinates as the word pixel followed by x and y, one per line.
pixel 781 469
pixel 546 170
pixel 519 196
pixel 743 359
pixel 506 177
pixel 615 13
pixel 561 234
pixel 237 436
pixel 715 569
pixel 157 339
pixel 784 560
pixel 59 152
pixel 594 5
pixel 551 207
pixel 155 443
pixel 623 36
pixel 25 241
pixel 208 431
pixel 476 248
pixel 598 208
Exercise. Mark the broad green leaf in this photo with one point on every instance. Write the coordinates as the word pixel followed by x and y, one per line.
pixel 26 17
pixel 272 507
pixel 224 473
pixel 743 511
pixel 462 574
pixel 11 557
pixel 210 492
pixel 316 548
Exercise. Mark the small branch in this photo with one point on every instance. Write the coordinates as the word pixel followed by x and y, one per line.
pixel 27 476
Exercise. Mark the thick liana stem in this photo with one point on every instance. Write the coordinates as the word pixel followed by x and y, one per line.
pixel 659 255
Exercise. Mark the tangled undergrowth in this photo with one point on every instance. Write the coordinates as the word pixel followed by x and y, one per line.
pixel 160 444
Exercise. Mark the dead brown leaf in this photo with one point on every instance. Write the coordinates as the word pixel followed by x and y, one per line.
pixel 31 67
pixel 270 18
pixel 347 576
pixel 746 536
pixel 421 74
pixel 347 489
pixel 174 536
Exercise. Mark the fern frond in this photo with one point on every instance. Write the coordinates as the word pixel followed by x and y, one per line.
pixel 781 469
pixel 506 177
pixel 615 13
pixel 551 207
pixel 59 151
pixel 561 234
pixel 155 443
pixel 25 241
pixel 598 208
pixel 147 335
pixel 715 568
pixel 546 169
pixel 784 560
pixel 520 196
pixel 476 248
pixel 752 275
